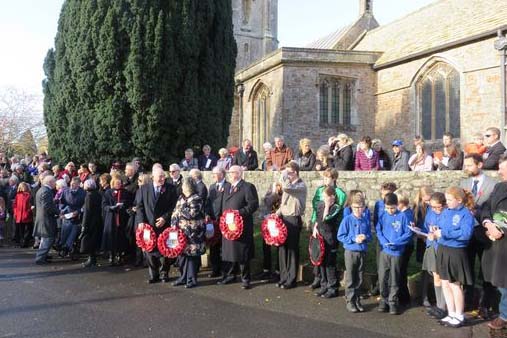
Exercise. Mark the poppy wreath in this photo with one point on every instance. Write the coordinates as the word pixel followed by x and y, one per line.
pixel 213 240
pixel 316 249
pixel 168 250
pixel 233 230
pixel 146 244
pixel 279 229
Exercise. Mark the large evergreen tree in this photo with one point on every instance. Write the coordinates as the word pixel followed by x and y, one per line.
pixel 142 78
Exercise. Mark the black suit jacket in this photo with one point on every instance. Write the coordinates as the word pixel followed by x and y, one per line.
pixel 215 201
pixel 149 209
pixel 492 156
pixel 47 212
pixel 248 160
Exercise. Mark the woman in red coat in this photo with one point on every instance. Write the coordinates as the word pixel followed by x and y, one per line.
pixel 23 215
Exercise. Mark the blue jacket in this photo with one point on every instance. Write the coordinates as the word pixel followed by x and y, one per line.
pixel 410 218
pixel 350 227
pixel 378 211
pixel 457 227
pixel 432 218
pixel 366 213
pixel 393 233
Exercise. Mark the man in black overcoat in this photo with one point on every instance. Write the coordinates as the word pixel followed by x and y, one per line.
pixel 155 203
pixel 45 219
pixel 494 150
pixel 241 196
pixel 214 212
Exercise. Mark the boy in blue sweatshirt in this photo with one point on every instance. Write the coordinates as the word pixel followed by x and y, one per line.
pixel 393 235
pixel 354 233
pixel 404 207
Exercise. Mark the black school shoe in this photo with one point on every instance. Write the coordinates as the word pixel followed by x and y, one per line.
pixel 359 306
pixel 315 284
pixel 394 309
pixel 382 306
pixel 436 313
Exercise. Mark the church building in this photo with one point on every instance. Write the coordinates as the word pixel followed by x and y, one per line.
pixel 434 70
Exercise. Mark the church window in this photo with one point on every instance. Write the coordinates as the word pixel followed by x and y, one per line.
pixel 439 102
pixel 335 101
pixel 261 117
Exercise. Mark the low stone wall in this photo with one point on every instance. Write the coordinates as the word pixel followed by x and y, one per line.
pixel 369 182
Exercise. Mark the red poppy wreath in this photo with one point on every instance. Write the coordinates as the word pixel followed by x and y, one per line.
pixel 231 225
pixel 171 242
pixel 274 230
pixel 316 249
pixel 146 238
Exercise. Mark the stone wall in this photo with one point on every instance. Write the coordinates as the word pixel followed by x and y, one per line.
pixel 369 182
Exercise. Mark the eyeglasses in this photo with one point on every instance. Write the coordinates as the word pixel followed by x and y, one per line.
pixel 488 135
pixel 173 171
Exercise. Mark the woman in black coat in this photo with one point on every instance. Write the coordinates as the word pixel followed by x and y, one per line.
pixel 344 154
pixel 91 225
pixel 115 203
pixel 306 157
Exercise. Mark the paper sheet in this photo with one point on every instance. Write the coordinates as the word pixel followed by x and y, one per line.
pixel 417 232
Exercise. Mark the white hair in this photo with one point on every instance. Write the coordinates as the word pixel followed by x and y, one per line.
pixel 48 179
pixel 61 183
pixel 174 167
pixel 89 185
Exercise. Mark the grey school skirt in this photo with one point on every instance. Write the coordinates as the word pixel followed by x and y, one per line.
pixel 430 259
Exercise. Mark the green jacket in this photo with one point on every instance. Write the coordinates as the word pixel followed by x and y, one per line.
pixel 341 197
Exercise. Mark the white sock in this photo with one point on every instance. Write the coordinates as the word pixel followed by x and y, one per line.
pixel 459 317
pixel 446 319
pixel 454 321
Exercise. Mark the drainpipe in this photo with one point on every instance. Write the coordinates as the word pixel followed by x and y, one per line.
pixel 501 45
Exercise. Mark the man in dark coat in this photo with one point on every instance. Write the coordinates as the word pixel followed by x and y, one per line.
pixel 155 203
pixel 241 196
pixel 45 219
pixel 495 148
pixel 214 212
pixel 207 160
pixel 91 225
pixel 246 157
pixel 175 178
pixel 494 259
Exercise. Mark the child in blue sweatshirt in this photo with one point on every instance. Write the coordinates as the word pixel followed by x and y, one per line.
pixel 366 215
pixel 393 235
pixel 355 234
pixel 378 211
pixel 404 207
pixel 453 267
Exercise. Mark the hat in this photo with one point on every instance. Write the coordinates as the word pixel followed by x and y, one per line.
pixel 397 143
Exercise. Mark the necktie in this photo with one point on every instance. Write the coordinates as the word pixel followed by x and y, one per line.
pixel 232 188
pixel 474 187
pixel 157 192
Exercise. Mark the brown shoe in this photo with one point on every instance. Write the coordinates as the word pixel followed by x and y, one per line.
pixel 497 324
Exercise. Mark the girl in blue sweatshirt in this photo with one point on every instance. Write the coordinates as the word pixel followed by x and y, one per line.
pixel 393 235
pixel 432 222
pixel 452 261
pixel 354 233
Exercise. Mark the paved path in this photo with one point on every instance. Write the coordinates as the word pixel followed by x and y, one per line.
pixel 64 300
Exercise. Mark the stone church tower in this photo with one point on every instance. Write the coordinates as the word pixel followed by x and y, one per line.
pixel 255 29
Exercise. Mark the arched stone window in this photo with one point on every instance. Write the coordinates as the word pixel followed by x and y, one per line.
pixel 261 117
pixel 439 101
pixel 335 101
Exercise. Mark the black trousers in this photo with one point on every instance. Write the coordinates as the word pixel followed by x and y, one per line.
pixel 288 254
pixel 404 294
pixel 231 268
pixel 189 267
pixel 215 252
pixel 327 270
pixel 23 233
pixel 158 265
pixel 354 267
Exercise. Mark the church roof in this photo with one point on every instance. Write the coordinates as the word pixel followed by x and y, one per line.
pixel 441 23
pixel 329 41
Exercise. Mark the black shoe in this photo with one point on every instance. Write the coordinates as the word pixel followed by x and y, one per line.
pixel 89 263
pixel 436 313
pixel 178 282
pixel 245 285
pixel 49 257
pixel 351 307
pixel 165 279
pixel 359 306
pixel 190 285
pixel 280 283
pixel 214 275
pixel 329 294
pixel 153 280
pixel 288 286
pixel 382 306
pixel 42 262
pixel 226 280
pixel 393 309
pixel 264 276
pixel 320 292
pixel 315 284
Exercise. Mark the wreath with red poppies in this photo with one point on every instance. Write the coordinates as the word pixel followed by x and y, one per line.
pixel 146 238
pixel 316 249
pixel 171 242
pixel 213 238
pixel 274 230
pixel 231 224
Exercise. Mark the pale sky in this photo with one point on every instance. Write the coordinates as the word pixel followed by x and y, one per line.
pixel 28 29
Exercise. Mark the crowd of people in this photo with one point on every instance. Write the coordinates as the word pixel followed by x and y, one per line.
pixel 83 212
